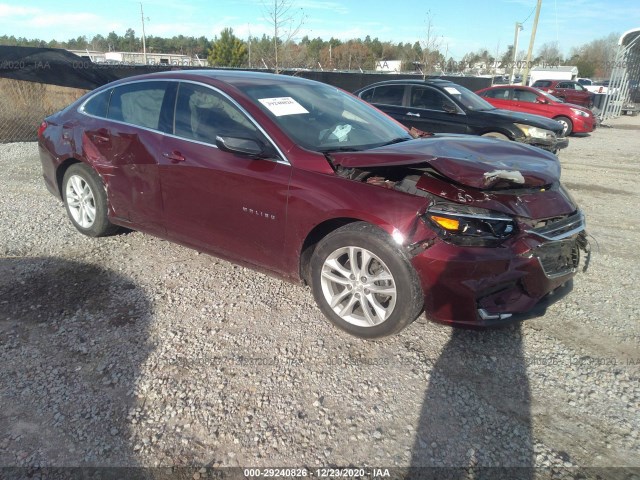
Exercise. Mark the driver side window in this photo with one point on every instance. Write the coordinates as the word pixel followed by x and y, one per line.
pixel 202 114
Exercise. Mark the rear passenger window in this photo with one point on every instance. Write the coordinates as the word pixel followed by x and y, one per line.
pixel 542 83
pixel 499 93
pixel 138 103
pixel 388 95
pixel 97 105
pixel 202 114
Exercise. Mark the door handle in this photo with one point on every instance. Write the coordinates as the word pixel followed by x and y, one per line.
pixel 411 114
pixel 174 156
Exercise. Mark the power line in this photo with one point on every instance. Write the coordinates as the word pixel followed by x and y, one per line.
pixel 529 16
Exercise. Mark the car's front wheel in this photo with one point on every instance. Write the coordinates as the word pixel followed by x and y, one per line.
pixel 567 125
pixel 86 201
pixel 364 283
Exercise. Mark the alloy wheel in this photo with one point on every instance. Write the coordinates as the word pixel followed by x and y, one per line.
pixel 81 201
pixel 358 286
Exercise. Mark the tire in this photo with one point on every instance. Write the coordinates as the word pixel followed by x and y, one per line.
pixel 497 135
pixel 357 308
pixel 567 125
pixel 86 201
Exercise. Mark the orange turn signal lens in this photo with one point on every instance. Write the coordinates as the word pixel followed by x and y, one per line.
pixel 446 223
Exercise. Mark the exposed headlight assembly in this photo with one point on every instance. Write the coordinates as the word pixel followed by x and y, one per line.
pixel 580 112
pixel 470 226
pixel 535 132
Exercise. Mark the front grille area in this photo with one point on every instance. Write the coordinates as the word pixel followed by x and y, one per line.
pixel 558 258
pixel 558 229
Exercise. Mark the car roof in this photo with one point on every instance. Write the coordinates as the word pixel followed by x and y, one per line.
pixel 509 86
pixel 410 81
pixel 230 77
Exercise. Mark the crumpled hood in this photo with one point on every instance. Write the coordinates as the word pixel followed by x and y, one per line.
pixel 476 162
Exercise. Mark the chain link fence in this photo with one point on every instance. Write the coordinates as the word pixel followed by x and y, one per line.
pixel 25 104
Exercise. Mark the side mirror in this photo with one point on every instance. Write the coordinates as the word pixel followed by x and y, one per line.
pixel 542 99
pixel 449 107
pixel 242 146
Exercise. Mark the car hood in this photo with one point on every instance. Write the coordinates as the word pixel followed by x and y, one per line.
pixel 476 162
pixel 520 117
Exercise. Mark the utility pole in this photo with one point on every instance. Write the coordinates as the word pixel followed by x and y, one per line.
pixel 515 52
pixel 144 40
pixel 531 42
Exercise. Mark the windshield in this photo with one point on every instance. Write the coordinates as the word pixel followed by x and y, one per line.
pixel 467 98
pixel 542 93
pixel 323 118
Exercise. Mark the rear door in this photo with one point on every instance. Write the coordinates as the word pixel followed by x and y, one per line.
pixel 388 98
pixel 124 148
pixel 219 201
pixel 499 98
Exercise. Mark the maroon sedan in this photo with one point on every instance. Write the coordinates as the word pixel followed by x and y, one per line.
pixel 567 90
pixel 314 185
pixel 574 118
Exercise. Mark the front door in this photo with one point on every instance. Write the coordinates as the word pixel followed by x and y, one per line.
pixel 219 201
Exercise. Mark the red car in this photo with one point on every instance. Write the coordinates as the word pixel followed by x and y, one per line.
pixel 567 90
pixel 574 118
pixel 310 183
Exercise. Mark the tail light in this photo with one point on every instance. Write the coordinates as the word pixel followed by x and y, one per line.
pixel 43 126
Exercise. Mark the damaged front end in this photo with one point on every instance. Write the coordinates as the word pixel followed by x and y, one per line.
pixel 541 138
pixel 491 241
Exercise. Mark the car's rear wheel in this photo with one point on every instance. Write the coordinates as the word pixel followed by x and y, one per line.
pixel 567 125
pixel 498 135
pixel 364 283
pixel 86 201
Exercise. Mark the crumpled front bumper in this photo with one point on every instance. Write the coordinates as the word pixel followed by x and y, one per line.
pixel 485 286
pixel 550 144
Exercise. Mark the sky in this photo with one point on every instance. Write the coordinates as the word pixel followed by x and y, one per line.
pixel 461 26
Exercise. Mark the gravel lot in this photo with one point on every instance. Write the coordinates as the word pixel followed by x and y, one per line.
pixel 130 350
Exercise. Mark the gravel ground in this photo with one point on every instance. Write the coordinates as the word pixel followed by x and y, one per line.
pixel 132 351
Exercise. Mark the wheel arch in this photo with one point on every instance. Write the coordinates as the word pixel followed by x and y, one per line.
pixel 61 170
pixel 316 234
pixel 502 131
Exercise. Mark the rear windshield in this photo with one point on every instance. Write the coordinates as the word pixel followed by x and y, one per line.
pixel 542 83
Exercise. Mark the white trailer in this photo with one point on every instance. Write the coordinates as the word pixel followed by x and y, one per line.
pixel 553 73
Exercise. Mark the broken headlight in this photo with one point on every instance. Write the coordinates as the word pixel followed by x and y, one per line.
pixel 535 132
pixel 470 226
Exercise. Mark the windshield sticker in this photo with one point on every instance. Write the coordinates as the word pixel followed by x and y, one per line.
pixel 283 106
pixel 452 90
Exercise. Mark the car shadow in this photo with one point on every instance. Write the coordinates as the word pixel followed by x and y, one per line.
pixel 73 337
pixel 476 410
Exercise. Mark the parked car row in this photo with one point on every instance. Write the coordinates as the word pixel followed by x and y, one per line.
pixel 302 180
pixel 441 106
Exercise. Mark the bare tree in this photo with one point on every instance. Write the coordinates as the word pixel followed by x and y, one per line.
pixel 286 21
pixel 549 54
pixel 430 46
